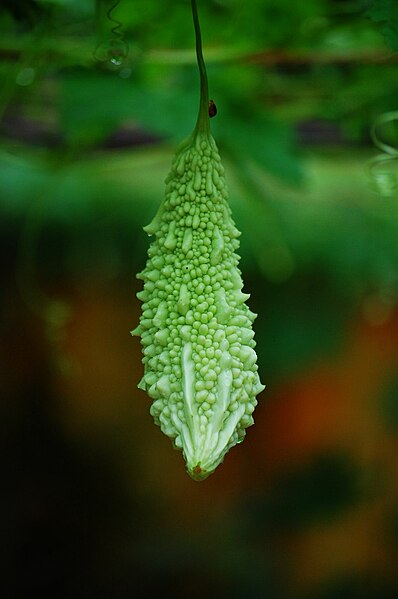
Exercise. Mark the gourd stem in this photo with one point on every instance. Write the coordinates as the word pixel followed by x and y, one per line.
pixel 203 122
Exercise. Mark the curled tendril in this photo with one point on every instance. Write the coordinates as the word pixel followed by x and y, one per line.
pixel 383 179
pixel 115 49
pixel 116 29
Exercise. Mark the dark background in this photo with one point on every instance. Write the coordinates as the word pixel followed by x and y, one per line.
pixel 94 500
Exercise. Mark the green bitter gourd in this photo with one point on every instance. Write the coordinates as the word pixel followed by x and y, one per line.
pixel 196 330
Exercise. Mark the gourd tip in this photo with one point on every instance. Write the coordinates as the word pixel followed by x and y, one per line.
pixel 197 473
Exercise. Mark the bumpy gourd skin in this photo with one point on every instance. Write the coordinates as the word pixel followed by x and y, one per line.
pixel 195 328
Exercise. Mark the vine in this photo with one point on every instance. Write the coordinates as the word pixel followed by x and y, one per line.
pixel 115 49
pixel 382 178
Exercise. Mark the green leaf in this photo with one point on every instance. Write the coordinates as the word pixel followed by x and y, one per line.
pixel 270 143
pixel 385 13
pixel 95 104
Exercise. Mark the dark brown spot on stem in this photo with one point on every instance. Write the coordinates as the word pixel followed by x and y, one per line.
pixel 212 109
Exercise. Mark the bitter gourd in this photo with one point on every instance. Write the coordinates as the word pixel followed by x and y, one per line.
pixel 196 329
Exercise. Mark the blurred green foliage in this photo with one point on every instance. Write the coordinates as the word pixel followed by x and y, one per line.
pixel 85 146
